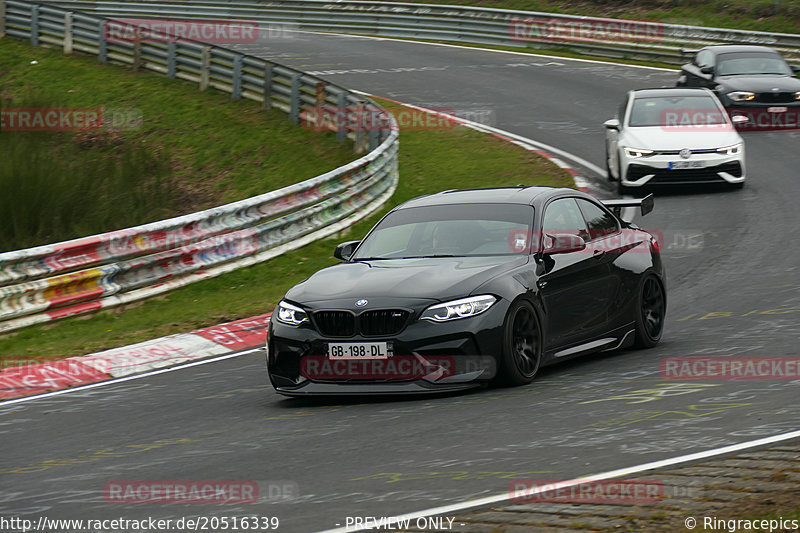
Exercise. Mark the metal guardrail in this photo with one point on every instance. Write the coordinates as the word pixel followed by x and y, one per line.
pixel 648 40
pixel 64 279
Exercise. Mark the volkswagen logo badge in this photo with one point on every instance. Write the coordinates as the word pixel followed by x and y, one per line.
pixel 361 303
pixel 685 153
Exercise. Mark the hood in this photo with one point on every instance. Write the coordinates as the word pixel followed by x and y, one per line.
pixel 677 138
pixel 442 278
pixel 760 84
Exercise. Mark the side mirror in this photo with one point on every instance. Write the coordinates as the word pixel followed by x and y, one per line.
pixel 739 119
pixel 612 124
pixel 345 250
pixel 707 70
pixel 562 243
pixel 795 68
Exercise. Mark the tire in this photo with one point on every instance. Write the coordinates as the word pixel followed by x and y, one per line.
pixel 522 345
pixel 651 306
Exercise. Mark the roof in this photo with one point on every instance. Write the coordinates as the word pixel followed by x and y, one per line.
pixel 494 195
pixel 669 91
pixel 725 48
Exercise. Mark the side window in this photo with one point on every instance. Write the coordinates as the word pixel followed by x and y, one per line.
pixel 564 216
pixel 599 221
pixel 703 59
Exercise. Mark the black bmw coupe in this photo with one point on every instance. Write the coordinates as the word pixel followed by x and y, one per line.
pixel 466 287
pixel 752 81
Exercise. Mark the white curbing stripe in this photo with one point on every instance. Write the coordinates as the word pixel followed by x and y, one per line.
pixel 152 354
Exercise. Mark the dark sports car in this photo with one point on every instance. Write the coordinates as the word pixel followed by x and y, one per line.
pixel 461 288
pixel 753 81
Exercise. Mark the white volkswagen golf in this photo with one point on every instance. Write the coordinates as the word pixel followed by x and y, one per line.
pixel 673 136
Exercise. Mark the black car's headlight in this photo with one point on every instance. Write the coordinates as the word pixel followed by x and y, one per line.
pixel 463 308
pixel 291 315
pixel 741 96
pixel 797 95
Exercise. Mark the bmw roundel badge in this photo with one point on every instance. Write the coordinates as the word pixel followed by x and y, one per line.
pixel 361 303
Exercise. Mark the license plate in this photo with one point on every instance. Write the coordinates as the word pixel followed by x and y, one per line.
pixel 778 109
pixel 686 164
pixel 358 350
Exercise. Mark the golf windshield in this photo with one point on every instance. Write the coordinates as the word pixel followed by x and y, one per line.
pixel 455 230
pixel 675 111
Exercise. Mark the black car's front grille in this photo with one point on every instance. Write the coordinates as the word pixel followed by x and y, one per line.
pixel 706 174
pixel 369 323
pixel 335 323
pixel 382 322
pixel 775 98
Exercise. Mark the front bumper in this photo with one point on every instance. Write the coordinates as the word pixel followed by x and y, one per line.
pixel 704 168
pixel 469 348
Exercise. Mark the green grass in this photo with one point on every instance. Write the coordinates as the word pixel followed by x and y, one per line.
pixel 430 161
pixel 206 149
pixel 760 15
pixel 57 186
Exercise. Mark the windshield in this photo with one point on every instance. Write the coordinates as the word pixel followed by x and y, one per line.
pixel 450 231
pixel 676 111
pixel 751 63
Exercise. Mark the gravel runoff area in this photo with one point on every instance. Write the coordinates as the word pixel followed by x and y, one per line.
pixel 757 484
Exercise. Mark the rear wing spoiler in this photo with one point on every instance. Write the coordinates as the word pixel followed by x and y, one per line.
pixel 644 204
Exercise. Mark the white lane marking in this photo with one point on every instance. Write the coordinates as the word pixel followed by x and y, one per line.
pixel 490 129
pixel 511 52
pixel 126 378
pixel 504 497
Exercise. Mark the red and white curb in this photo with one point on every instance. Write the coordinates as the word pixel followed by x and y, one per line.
pixel 38 378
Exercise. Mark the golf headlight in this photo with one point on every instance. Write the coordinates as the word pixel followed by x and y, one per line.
pixel 466 307
pixel 741 96
pixel 730 150
pixel 635 153
pixel 291 315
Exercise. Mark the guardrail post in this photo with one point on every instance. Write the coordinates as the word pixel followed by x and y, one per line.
pixel 137 55
pixel 294 99
pixel 320 94
pixel 236 89
pixel 102 52
pixel 35 25
pixel 171 47
pixel 2 18
pixel 267 102
pixel 205 67
pixel 68 32
pixel 361 138
pixel 374 130
pixel 341 117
